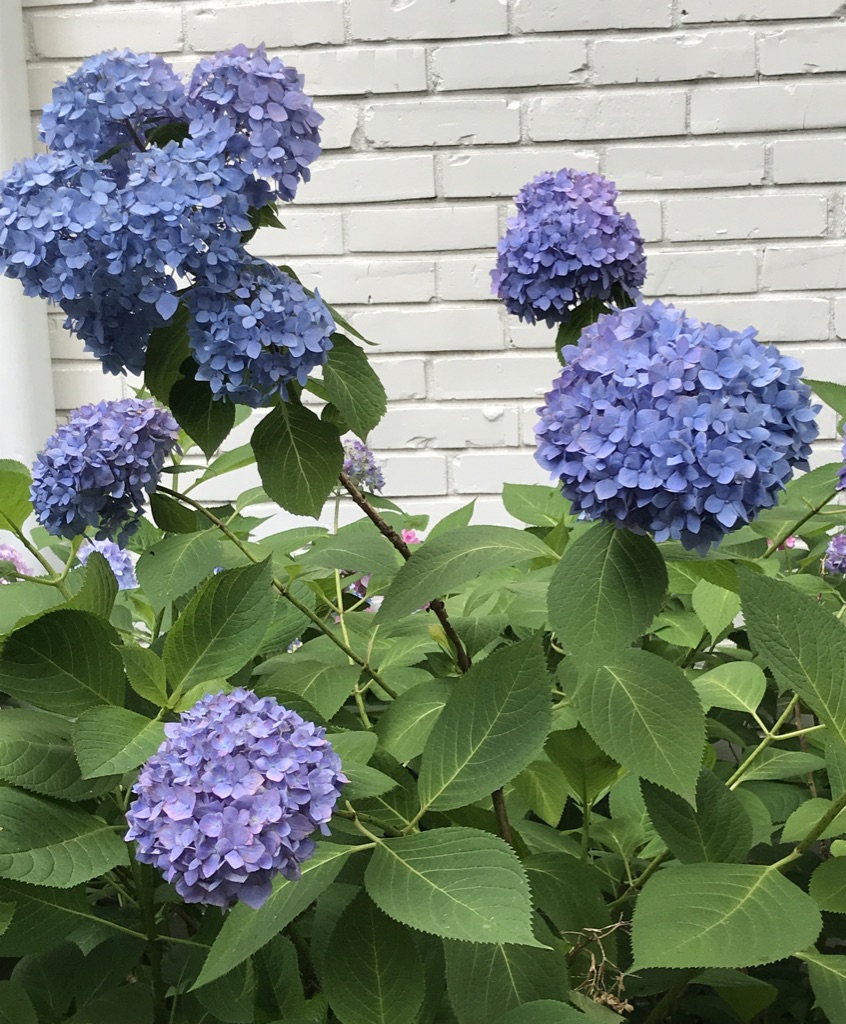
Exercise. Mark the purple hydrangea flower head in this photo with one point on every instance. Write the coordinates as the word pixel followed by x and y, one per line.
pixel 361 467
pixel 673 427
pixel 252 340
pixel 98 468
pixel 10 554
pixel 119 559
pixel 835 555
pixel 112 100
pixel 568 243
pixel 255 110
pixel 231 798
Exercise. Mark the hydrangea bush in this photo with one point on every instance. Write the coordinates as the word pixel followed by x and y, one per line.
pixel 584 768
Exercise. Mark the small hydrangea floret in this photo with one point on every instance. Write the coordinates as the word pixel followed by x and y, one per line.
pixel 568 243
pixel 231 798
pixel 361 467
pixel 119 559
pixel 98 469
pixel 835 555
pixel 673 427
pixel 13 556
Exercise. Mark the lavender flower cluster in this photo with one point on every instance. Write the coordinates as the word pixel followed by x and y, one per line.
pixel 361 467
pixel 669 426
pixel 835 555
pixel 231 797
pixel 119 559
pixel 97 470
pixel 10 554
pixel 568 243
pixel 149 181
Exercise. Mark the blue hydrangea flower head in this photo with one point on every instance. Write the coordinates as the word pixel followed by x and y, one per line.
pixel 119 559
pixel 253 339
pixel 98 469
pixel 112 100
pixel 673 427
pixel 254 109
pixel 10 554
pixel 835 555
pixel 231 798
pixel 361 467
pixel 567 243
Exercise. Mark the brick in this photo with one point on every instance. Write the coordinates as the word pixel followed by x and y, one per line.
pixel 509 63
pixel 432 329
pixel 489 426
pixel 805 50
pixel 41 80
pixel 674 58
pixel 823 454
pixel 821 362
pixel 307 233
pixel 468 277
pixel 756 10
pixel 486 472
pixel 370 179
pixel 768 106
pixel 777 216
pixel 418 474
pixel 360 281
pixel 704 272
pixel 282 23
pixel 566 16
pixel 76 384
pixel 684 166
pixel 779 319
pixel 358 71
pixel 81 33
pixel 338 129
pixel 514 375
pixel 422 229
pixel 796 267
pixel 442 122
pixel 607 115
pixel 404 379
pixel 809 159
pixel 536 336
pixel 427 19
pixel 53 3
pixel 647 213
pixel 504 173
pixel 840 316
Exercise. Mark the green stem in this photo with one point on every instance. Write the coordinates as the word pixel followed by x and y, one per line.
pixel 769 738
pixel 788 531
pixel 805 844
pixel 641 879
pixel 585 825
pixel 283 590
pixel 54 581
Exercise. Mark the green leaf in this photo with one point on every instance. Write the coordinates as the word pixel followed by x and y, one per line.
pixel 737 686
pixel 783 764
pixel 827 975
pixel 446 562
pixel 66 661
pixel 587 768
pixel 7 912
pixel 146 673
pixel 126 1004
pixel 325 687
pixel 454 520
pixel 543 788
pixel 605 591
pixel 543 1011
pixel 204 420
pixel 221 628
pixel 645 713
pixel 279 989
pixel 24 601
pixel 42 917
pixel 237 458
pixel 299 458
pixel 15 505
pixel 828 885
pixel 246 930
pixel 721 915
pixel 832 394
pixel 172 516
pixel 373 972
pixel 111 741
pixel 45 843
pixel 167 350
pixel 358 547
pixel 803 644
pixel 174 565
pixel 493 725
pixel 534 504
pixel 406 724
pixel 807 816
pixel 458 883
pixel 718 829
pixel 716 607
pixel 484 980
pixel 99 588
pixel 353 386
pixel 15 1004
pixel 36 754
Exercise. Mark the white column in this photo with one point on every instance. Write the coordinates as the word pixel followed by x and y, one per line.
pixel 27 408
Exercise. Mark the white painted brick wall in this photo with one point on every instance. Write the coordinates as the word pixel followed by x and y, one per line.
pixel 720 120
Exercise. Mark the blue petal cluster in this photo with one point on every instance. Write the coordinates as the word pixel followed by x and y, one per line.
pixel 119 559
pixel 361 467
pixel 568 243
pixel 835 555
pixel 98 468
pixel 251 339
pixel 669 426
pixel 231 797
pixel 10 554
pixel 255 110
